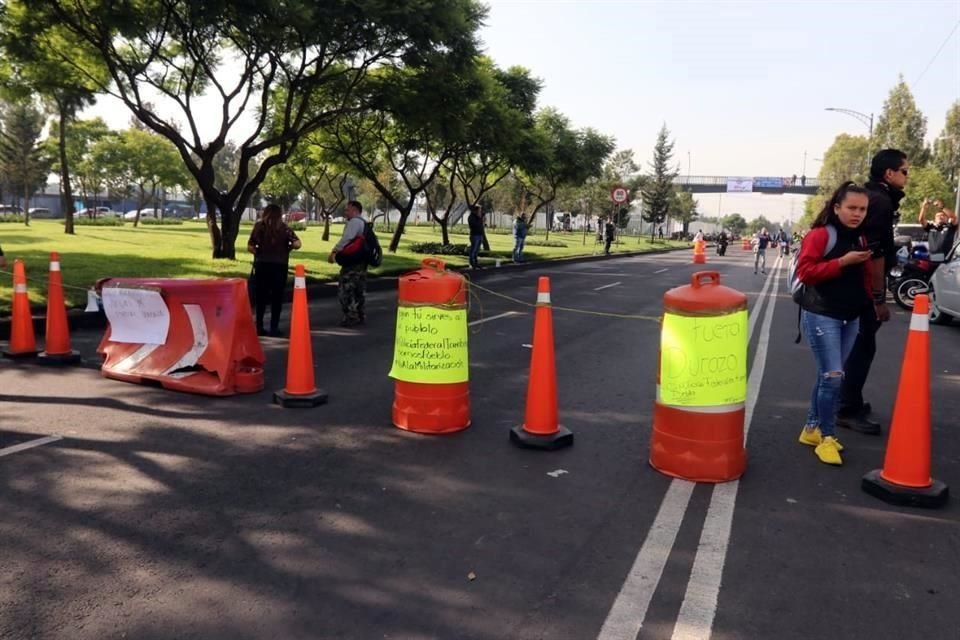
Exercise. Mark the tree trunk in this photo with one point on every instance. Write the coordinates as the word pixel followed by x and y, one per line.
pixel 401 223
pixel 230 223
pixel 26 205
pixel 65 193
pixel 326 227
pixel 445 230
pixel 212 228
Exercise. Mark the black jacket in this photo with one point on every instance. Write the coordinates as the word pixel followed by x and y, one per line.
pixel 476 224
pixel 881 216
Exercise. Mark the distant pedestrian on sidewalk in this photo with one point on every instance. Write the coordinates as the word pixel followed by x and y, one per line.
pixel 834 268
pixel 519 237
pixel 760 256
pixel 350 253
pixel 271 242
pixel 609 231
pixel 475 222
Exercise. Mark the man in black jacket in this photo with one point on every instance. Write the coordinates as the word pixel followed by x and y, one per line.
pixel 475 222
pixel 888 177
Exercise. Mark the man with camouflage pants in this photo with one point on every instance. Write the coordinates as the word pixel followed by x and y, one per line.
pixel 351 255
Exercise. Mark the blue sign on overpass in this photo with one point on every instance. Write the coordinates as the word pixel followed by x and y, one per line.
pixel 741 184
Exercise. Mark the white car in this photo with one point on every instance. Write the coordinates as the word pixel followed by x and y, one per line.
pixel 144 213
pixel 944 289
pixel 94 212
pixel 40 212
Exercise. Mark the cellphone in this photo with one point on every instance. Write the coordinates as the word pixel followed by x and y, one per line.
pixel 874 246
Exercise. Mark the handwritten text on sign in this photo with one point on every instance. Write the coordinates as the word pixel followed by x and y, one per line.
pixel 703 361
pixel 431 345
pixel 139 316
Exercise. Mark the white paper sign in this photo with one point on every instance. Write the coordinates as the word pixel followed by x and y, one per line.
pixel 138 316
pixel 739 185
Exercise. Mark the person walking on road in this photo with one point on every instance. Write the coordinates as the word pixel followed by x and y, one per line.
pixel 888 177
pixel 271 242
pixel 609 231
pixel 762 241
pixel 722 242
pixel 834 268
pixel 475 222
pixel 350 253
pixel 519 237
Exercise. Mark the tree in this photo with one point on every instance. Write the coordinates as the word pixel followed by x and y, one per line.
pixel 758 223
pixel 49 61
pixel 23 157
pixel 141 159
pixel 846 159
pixel 946 148
pixel 560 156
pixel 81 136
pixel 289 67
pixel 734 223
pixel 659 193
pixel 925 182
pixel 320 178
pixel 902 126
pixel 683 208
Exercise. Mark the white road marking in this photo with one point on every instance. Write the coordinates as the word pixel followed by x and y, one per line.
pixel 557 473
pixel 29 445
pixel 496 317
pixel 695 621
pixel 629 610
pixel 607 286
pixel 527 346
pixel 661 271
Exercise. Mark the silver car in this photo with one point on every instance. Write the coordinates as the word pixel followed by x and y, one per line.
pixel 945 289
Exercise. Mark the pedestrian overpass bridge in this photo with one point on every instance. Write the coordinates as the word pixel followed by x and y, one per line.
pixel 738 184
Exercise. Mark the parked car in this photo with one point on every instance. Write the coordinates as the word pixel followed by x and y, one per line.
pixel 94 212
pixel 10 210
pixel 144 213
pixel 905 235
pixel 40 212
pixel 179 211
pixel 296 216
pixel 944 289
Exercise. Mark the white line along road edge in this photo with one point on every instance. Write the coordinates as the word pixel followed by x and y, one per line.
pixel 496 317
pixel 629 610
pixel 607 286
pixel 23 446
pixel 695 620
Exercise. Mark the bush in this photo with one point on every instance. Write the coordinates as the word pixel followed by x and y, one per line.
pixel 163 221
pixel 11 217
pixel 435 248
pixel 545 243
pixel 297 226
pixel 464 230
pixel 104 221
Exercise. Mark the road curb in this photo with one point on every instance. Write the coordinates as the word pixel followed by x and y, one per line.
pixel 79 320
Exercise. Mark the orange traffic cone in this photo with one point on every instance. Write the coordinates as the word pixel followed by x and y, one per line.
pixel 23 341
pixel 540 428
pixel 301 390
pixel 699 254
pixel 905 478
pixel 57 349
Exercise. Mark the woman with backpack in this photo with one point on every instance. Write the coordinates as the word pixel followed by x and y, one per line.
pixel 271 242
pixel 833 267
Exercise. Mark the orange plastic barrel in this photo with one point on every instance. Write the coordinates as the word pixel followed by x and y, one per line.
pixel 432 408
pixel 701 443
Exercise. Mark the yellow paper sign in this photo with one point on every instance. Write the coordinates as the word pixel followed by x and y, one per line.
pixel 431 345
pixel 703 360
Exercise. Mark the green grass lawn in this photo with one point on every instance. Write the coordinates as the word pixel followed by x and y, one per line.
pixel 184 251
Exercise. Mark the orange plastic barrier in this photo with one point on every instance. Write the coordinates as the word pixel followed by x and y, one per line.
pixel 905 478
pixel 57 338
pixel 541 428
pixel 746 245
pixel 690 439
pixel 23 340
pixel 211 347
pixel 425 407
pixel 699 252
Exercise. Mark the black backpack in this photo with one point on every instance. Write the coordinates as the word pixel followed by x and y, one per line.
pixel 372 246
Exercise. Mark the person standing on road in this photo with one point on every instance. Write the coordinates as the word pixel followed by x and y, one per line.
pixel 519 237
pixel 837 290
pixel 351 255
pixel 942 233
pixel 475 222
pixel 888 177
pixel 609 231
pixel 722 242
pixel 760 256
pixel 271 242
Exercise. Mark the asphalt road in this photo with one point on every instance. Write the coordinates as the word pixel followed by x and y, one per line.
pixel 163 515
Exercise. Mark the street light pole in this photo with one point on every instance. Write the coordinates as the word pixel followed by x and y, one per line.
pixel 863 118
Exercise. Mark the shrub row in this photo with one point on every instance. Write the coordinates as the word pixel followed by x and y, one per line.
pixel 163 221
pixel 11 217
pixel 103 221
pixel 439 249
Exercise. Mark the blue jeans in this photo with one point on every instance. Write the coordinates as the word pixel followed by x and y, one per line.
pixel 831 341
pixel 518 249
pixel 475 242
pixel 760 259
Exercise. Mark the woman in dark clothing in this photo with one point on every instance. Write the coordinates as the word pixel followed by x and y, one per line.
pixel 271 242
pixel 834 270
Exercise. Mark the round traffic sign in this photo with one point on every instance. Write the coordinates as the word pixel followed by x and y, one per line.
pixel 619 195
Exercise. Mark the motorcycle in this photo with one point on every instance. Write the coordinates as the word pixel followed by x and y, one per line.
pixel 911 278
